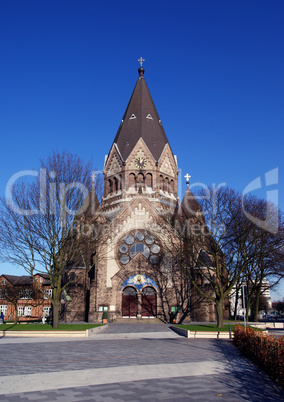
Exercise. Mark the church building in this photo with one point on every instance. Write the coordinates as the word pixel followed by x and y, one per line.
pixel 133 275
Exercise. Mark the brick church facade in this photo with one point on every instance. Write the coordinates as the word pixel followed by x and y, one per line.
pixel 133 274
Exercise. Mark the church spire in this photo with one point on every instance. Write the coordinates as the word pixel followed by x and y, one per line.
pixel 141 120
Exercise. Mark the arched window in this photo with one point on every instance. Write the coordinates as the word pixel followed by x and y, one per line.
pixel 140 180
pixel 129 290
pixel 110 186
pixel 131 181
pixel 166 185
pixel 120 182
pixel 161 182
pixel 149 182
pixel 148 290
pixel 171 189
pixel 115 184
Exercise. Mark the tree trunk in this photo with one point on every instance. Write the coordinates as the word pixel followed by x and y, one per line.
pixel 55 314
pixel 256 307
pixel 236 304
pixel 219 311
pixel 15 313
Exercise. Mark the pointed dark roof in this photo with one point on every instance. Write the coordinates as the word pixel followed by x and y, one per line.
pixel 23 280
pixel 189 207
pixel 204 260
pixel 141 120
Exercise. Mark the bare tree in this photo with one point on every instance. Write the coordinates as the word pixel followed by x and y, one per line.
pixel 268 253
pixel 279 306
pixel 41 221
pixel 221 245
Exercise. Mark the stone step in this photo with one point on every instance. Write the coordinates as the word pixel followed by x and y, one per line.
pixel 136 321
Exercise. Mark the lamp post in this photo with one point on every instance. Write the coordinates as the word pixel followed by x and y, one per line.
pixel 244 303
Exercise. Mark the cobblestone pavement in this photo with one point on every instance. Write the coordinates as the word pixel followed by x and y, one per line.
pixel 146 368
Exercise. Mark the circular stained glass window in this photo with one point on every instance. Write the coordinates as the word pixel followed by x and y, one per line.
pixel 139 236
pixel 155 248
pixel 129 239
pixel 149 240
pixel 142 242
pixel 139 248
pixel 154 259
pixel 124 259
pixel 123 248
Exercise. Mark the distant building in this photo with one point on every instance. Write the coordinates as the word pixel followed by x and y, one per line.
pixel 20 295
pixel 265 300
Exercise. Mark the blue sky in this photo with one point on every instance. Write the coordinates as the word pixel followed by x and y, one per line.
pixel 214 69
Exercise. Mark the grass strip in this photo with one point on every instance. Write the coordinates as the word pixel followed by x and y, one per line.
pixel 211 327
pixel 47 327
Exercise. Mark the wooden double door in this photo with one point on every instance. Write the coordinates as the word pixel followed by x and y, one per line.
pixel 144 303
pixel 129 302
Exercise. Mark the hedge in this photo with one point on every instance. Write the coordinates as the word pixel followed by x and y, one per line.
pixel 264 350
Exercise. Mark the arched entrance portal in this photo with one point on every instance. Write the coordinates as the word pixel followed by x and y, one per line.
pixel 148 302
pixel 129 302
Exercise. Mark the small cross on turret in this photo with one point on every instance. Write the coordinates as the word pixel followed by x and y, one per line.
pixel 141 61
pixel 187 176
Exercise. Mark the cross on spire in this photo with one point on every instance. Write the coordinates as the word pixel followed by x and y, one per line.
pixel 141 61
pixel 187 176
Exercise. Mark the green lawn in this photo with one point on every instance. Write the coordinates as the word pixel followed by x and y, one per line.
pixel 210 327
pixel 207 327
pixel 47 327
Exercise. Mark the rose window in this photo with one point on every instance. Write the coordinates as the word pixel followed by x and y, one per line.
pixel 140 241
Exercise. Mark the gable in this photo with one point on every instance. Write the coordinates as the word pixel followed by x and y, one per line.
pixel 140 151
pixel 167 163
pixel 114 164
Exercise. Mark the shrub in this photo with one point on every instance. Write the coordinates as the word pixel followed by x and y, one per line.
pixel 105 315
pixel 264 350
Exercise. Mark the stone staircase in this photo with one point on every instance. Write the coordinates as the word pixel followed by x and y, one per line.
pixel 136 321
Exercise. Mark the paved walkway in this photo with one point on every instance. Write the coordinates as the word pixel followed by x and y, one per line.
pixel 154 365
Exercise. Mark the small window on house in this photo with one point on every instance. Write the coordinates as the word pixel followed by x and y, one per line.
pixel 3 293
pixel 3 309
pixel 24 311
pixel 46 311
pixel 3 282
pixel 25 294
pixel 41 279
pixel 20 311
pixel 149 117
pixel 132 117
pixel 48 292
pixel 28 311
